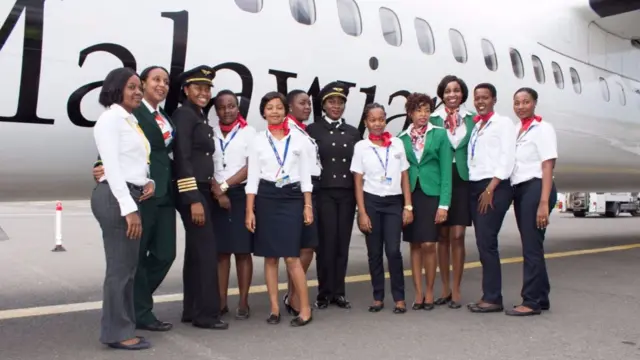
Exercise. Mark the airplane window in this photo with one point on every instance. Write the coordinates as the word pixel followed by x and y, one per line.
pixel 622 96
pixel 253 6
pixel 458 46
pixel 304 11
pixel 604 87
pixel 575 80
pixel 490 57
pixel 557 75
pixel 516 63
pixel 350 19
pixel 538 69
pixel 390 27
pixel 425 36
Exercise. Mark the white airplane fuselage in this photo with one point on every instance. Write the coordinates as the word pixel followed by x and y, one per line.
pixel 52 73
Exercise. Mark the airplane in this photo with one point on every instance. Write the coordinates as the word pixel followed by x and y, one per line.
pixel 582 56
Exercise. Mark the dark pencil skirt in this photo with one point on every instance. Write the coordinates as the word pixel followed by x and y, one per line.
pixel 423 228
pixel 279 220
pixel 460 210
pixel 310 238
pixel 231 234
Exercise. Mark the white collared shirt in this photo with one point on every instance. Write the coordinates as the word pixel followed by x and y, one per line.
pixel 366 162
pixel 233 158
pixel 418 151
pixel 492 150
pixel 165 125
pixel 263 163
pixel 314 159
pixel 124 151
pixel 333 122
pixel 460 132
pixel 533 147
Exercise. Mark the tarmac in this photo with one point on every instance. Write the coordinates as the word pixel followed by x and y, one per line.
pixel 50 301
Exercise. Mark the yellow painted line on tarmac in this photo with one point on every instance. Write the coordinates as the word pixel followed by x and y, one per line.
pixel 96 305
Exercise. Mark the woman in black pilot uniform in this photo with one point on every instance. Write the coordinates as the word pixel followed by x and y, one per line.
pixel 336 200
pixel 279 202
pixel 193 160
pixel 535 196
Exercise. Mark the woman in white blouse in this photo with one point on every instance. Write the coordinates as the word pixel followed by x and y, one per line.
pixel 124 151
pixel 535 196
pixel 381 179
pixel 279 191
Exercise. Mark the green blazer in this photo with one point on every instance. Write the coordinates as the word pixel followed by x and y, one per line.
pixel 433 169
pixel 459 153
pixel 160 162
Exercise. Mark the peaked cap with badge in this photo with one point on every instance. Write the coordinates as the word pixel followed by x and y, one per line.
pixel 202 74
pixel 335 88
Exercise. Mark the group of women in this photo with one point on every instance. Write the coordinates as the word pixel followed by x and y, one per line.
pixel 291 191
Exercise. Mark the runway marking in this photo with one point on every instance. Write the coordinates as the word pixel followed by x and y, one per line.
pixel 96 305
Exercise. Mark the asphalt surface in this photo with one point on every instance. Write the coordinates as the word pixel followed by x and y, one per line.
pixel 49 302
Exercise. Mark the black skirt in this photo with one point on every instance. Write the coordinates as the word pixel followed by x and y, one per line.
pixel 310 238
pixel 459 210
pixel 231 234
pixel 423 228
pixel 279 220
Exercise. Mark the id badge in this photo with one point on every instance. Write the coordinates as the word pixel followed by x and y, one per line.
pixel 283 181
pixel 385 180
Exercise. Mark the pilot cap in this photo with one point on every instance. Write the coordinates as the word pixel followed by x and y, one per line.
pixel 335 88
pixel 202 74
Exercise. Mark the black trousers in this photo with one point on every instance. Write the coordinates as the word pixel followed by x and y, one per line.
pixel 535 282
pixel 385 214
pixel 487 226
pixel 336 212
pixel 201 302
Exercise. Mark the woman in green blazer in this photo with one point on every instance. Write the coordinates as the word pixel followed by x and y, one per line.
pixel 458 124
pixel 430 158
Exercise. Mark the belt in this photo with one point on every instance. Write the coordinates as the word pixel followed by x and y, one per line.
pixel 316 178
pixel 130 186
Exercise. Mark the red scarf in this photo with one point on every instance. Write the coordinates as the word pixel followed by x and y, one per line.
pixel 417 136
pixel 239 120
pixel 526 123
pixel 451 122
pixel 482 117
pixel 298 122
pixel 284 126
pixel 385 138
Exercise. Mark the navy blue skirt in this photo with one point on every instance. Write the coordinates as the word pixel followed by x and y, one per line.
pixel 310 237
pixel 231 234
pixel 279 220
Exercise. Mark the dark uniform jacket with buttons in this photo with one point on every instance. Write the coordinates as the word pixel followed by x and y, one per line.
pixel 193 152
pixel 335 146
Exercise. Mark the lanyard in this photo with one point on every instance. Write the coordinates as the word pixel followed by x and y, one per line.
pixel 275 151
pixel 224 146
pixel 137 128
pixel 386 163
pixel 525 133
pixel 475 135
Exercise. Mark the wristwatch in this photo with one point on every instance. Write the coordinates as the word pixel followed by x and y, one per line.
pixel 224 187
pixel 408 207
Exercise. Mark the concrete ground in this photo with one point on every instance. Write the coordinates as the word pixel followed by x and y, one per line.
pixel 49 302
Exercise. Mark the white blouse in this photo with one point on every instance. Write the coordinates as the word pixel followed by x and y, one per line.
pixel 232 151
pixel 492 150
pixel 370 159
pixel 533 147
pixel 124 151
pixel 264 163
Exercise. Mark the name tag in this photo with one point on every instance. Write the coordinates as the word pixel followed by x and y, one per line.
pixel 283 181
pixel 385 180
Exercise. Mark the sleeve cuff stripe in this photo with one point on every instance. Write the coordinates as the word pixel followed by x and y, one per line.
pixel 189 188
pixel 185 180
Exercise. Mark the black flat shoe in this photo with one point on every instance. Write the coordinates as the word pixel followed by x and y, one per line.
pixel 211 325
pixel 418 306
pixel 376 308
pixel 321 303
pixel 155 326
pixel 341 302
pixel 492 308
pixel 454 305
pixel 141 345
pixel 285 301
pixel 399 310
pixel 273 319
pixel 514 312
pixel 243 314
pixel 442 301
pixel 298 321
pixel 428 306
